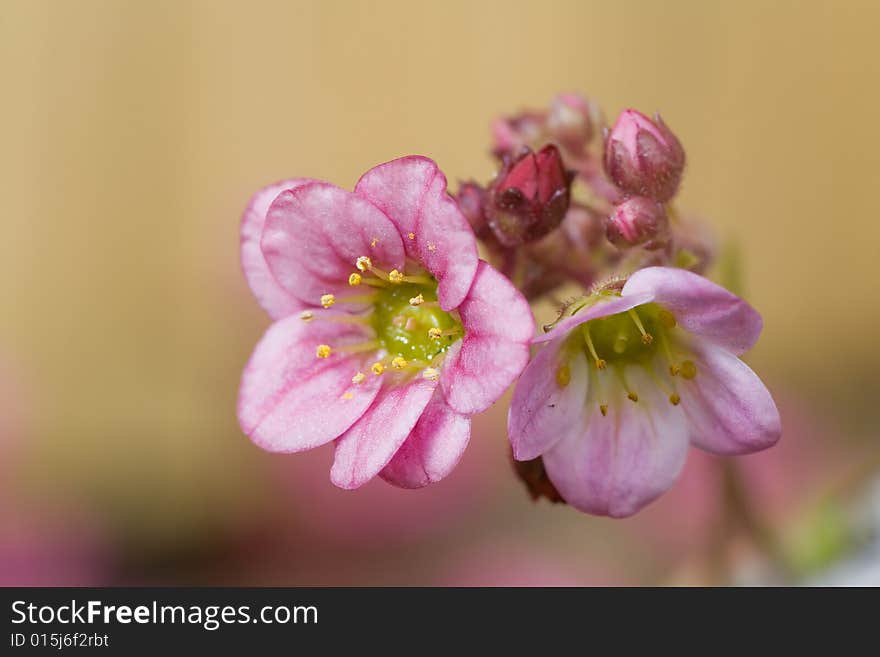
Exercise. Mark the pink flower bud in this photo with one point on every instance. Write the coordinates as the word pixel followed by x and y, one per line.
pixel 643 157
pixel 510 135
pixel 638 221
pixel 570 121
pixel 530 197
pixel 471 202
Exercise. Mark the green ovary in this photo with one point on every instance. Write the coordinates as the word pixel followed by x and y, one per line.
pixel 403 329
pixel 619 340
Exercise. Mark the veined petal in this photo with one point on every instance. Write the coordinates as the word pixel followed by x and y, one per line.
pixel 498 326
pixel 624 460
pixel 729 408
pixel 274 299
pixel 412 192
pixel 315 234
pixel 367 447
pixel 602 308
pixel 433 448
pixel 700 306
pixel 289 399
pixel 543 411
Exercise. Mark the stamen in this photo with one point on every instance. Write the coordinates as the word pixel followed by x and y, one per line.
pixel 307 315
pixel 417 300
pixel 688 370
pixel 395 276
pixel 432 247
pixel 323 351
pixel 364 263
pixel 354 279
pixel 431 373
pixel 411 236
pixel 358 378
pixel 328 300
pixel 377 368
pixel 371 345
pixel 673 368
pixel 603 408
pixel 632 397
pixel 563 376
pixel 418 280
pixel 630 393
pixel 346 396
pixel 374 242
pixel 667 319
pixel 600 362
pixel 647 338
pixel 399 363
pixel 436 334
pixel 674 399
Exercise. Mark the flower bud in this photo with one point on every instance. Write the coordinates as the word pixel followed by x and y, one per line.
pixel 643 157
pixel 570 122
pixel 529 197
pixel 471 202
pixel 510 135
pixel 534 476
pixel 638 221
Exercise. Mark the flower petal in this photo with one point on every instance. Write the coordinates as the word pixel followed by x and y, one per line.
pixel 542 412
pixel 371 442
pixel 498 326
pixel 315 234
pixel 624 460
pixel 433 448
pixel 612 306
pixel 729 408
pixel 274 299
pixel 289 399
pixel 412 192
pixel 700 306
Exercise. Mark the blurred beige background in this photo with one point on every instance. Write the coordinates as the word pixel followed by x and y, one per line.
pixel 133 134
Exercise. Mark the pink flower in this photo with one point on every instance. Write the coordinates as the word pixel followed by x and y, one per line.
pixel 399 333
pixel 629 378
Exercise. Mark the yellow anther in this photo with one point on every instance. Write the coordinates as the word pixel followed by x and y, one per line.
pixel 377 368
pixel 417 300
pixel 647 338
pixel 674 370
pixel 374 242
pixel 399 362
pixel 667 319
pixel 688 369
pixel 412 236
pixel 435 333
pixel 633 397
pixel 363 263
pixel 358 378
pixel 431 373
pixel 432 247
pixel 307 315
pixel 347 396
pixel 327 300
pixel 603 408
pixel 323 351
pixel 600 362
pixel 354 279
pixel 395 276
pixel 674 399
pixel 563 376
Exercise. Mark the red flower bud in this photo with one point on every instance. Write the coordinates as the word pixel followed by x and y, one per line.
pixel 529 197
pixel 570 122
pixel 643 157
pixel 638 221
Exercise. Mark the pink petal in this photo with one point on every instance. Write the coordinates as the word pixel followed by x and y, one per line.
pixel 498 326
pixel 542 412
pixel 371 442
pixel 271 296
pixel 624 460
pixel 315 234
pixel 289 399
pixel 612 306
pixel 700 306
pixel 412 192
pixel 729 408
pixel 433 448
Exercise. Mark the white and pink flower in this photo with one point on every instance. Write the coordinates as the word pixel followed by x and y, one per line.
pixel 390 333
pixel 631 376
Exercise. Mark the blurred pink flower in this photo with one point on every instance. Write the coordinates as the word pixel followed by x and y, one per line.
pixel 630 378
pixel 394 377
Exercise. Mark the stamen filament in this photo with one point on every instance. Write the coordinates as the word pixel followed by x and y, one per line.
pixel 358 347
pixel 419 280
pixel 600 362
pixel 664 342
pixel 647 338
